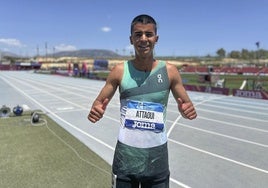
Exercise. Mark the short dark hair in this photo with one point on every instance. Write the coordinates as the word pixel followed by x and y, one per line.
pixel 144 19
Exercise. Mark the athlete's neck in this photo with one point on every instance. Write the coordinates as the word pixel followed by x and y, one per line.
pixel 144 64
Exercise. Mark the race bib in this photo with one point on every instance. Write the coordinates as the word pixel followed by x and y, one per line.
pixel 144 116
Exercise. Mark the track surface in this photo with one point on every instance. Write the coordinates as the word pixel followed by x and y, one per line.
pixel 226 146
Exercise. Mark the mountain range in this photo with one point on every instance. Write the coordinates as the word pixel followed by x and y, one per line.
pixel 9 54
pixel 84 53
pixel 89 53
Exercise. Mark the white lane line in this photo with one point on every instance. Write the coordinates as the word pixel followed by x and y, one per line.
pixel 253 103
pixel 219 156
pixel 68 111
pixel 256 106
pixel 179 183
pixel 56 90
pixel 233 115
pixel 223 135
pixel 233 124
pixel 60 87
pixel 173 125
pixel 178 118
pixel 236 109
pixel 225 114
pixel 65 108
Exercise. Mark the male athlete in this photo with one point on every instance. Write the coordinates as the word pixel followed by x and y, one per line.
pixel 141 155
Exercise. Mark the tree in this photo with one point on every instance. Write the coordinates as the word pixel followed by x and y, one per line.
pixel 263 54
pixel 235 54
pixel 245 54
pixel 221 52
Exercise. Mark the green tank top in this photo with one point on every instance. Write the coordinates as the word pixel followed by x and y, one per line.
pixel 150 86
pixel 146 90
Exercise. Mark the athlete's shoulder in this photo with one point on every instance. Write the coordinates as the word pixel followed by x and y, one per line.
pixel 117 71
pixel 172 70
pixel 118 67
pixel 170 66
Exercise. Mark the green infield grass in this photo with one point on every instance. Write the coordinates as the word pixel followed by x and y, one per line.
pixel 43 155
pixel 231 81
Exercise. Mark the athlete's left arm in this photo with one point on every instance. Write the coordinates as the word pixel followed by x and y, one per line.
pixel 185 104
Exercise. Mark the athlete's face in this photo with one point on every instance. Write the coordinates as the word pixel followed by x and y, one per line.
pixel 143 38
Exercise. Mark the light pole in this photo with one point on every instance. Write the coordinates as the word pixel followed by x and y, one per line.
pixel 37 51
pixel 258 48
pixel 46 51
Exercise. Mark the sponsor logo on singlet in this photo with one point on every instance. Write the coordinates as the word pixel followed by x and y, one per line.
pixel 159 78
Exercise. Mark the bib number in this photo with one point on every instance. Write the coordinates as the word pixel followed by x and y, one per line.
pixel 144 116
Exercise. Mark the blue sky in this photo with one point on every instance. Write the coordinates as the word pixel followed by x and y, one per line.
pixel 185 27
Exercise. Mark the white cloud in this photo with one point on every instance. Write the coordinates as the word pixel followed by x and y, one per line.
pixel 65 47
pixel 11 42
pixel 106 29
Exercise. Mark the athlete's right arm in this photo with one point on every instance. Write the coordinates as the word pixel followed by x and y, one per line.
pixel 99 105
